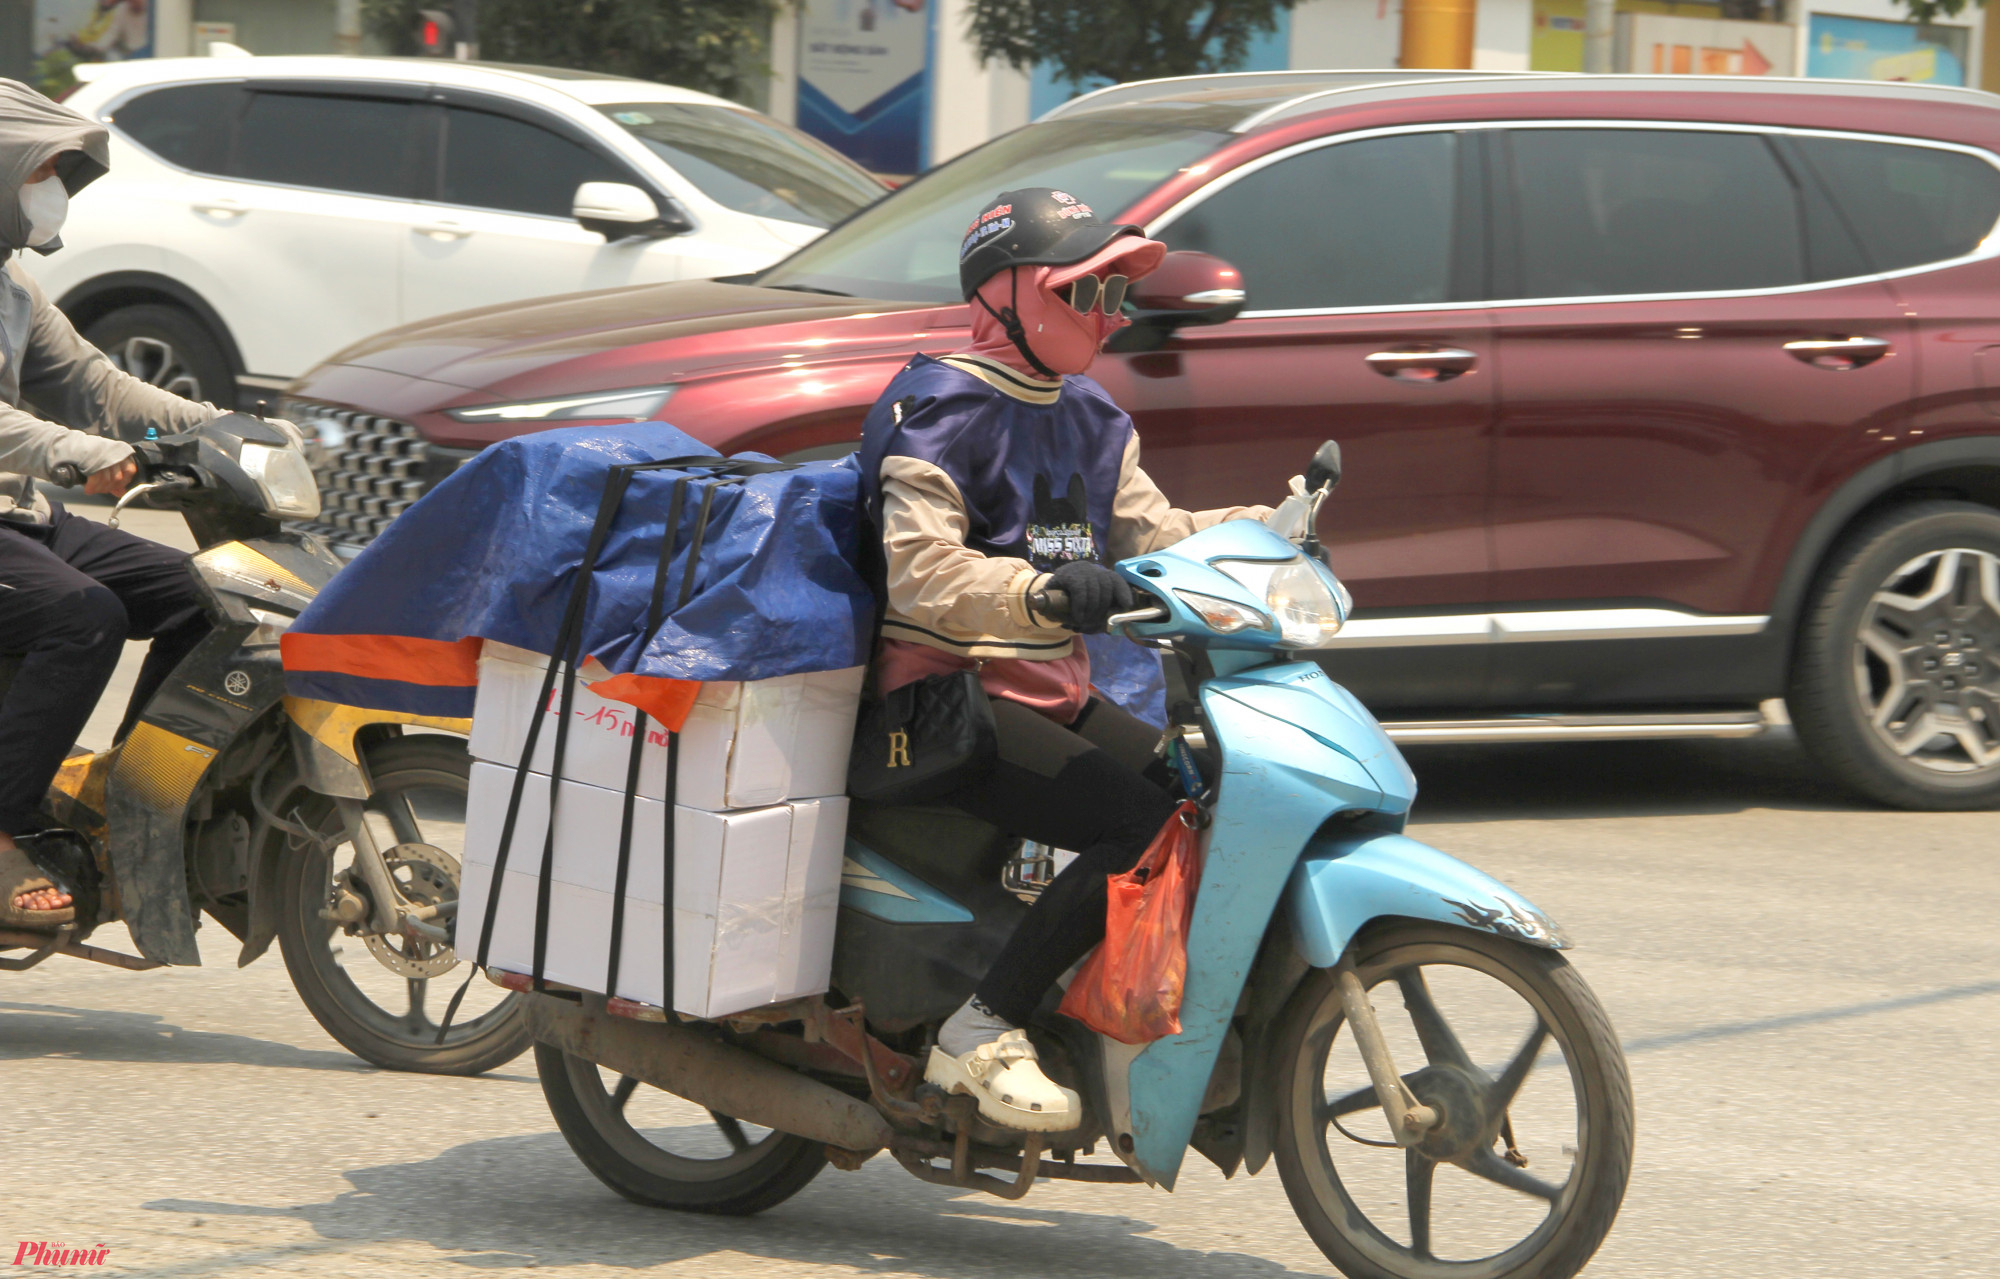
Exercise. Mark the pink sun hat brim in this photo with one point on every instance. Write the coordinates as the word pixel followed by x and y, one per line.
pixel 1134 255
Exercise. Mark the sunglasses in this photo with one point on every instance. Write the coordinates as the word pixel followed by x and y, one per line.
pixel 1086 290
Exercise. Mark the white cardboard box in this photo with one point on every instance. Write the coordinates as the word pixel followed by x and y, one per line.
pixel 756 892
pixel 744 745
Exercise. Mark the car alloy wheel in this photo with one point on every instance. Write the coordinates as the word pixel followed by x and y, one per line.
pixel 1894 687
pixel 153 361
pixel 1927 660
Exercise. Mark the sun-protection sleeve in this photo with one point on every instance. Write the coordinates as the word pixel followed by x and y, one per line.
pixel 76 384
pixel 1142 519
pixel 941 591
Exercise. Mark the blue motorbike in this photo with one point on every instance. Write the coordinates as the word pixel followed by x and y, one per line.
pixel 1487 1133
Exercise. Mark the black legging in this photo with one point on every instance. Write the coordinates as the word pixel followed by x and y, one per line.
pixel 1094 788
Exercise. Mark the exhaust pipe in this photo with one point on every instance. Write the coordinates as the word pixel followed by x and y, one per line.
pixel 726 1079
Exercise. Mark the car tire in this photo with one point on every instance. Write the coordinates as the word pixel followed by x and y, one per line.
pixel 167 347
pixel 1895 685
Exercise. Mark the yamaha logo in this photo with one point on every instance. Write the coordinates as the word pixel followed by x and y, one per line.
pixel 236 684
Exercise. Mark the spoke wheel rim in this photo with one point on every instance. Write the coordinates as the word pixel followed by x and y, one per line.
pixel 154 361
pixel 1927 662
pixel 606 1104
pixel 1379 975
pixel 419 964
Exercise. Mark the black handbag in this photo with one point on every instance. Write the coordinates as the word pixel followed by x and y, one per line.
pixel 922 741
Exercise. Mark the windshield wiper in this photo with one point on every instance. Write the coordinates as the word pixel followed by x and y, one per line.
pixel 809 288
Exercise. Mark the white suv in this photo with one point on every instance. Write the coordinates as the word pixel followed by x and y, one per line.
pixel 263 213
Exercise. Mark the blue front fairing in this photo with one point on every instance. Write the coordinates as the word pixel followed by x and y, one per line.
pixel 1296 750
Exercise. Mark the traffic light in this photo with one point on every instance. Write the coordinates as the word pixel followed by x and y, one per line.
pixel 436 32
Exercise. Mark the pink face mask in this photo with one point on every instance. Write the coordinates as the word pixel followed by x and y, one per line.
pixel 1064 340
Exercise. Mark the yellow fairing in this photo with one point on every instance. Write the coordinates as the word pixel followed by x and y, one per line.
pixel 161 768
pixel 333 725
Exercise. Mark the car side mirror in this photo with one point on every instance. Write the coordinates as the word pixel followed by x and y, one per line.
pixel 620 211
pixel 1187 288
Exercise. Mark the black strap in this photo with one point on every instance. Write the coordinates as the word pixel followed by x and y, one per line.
pixel 614 492
pixel 674 775
pixel 1017 333
pixel 568 655
pixel 654 618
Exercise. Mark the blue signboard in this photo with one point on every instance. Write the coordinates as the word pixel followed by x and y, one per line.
pixel 864 79
pixel 1870 49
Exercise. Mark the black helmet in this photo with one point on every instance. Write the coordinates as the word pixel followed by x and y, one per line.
pixel 1034 226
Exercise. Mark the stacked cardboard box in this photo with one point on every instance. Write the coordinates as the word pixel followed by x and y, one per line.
pixel 759 829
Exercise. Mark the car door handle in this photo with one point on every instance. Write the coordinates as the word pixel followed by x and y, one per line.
pixel 223 205
pixel 443 230
pixel 1838 354
pixel 1433 364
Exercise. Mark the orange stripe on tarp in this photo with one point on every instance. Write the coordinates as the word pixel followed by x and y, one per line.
pixel 448 663
pixel 666 700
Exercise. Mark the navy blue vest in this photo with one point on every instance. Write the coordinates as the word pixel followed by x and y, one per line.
pixel 1037 479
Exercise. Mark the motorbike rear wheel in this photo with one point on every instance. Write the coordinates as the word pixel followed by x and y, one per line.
pixel 659 1150
pixel 1571 1121
pixel 350 984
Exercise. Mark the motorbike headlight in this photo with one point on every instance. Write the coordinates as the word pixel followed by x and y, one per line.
pixel 636 403
pixel 1309 603
pixel 1223 617
pixel 285 478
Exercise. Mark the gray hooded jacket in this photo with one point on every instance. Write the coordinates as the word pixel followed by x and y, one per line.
pixel 42 359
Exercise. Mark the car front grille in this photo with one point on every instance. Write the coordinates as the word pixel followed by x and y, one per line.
pixel 370 469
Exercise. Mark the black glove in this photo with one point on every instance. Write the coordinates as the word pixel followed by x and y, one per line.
pixel 1095 593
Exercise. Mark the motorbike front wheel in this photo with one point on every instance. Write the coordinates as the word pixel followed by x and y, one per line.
pixel 1526 1171
pixel 665 1152
pixel 379 995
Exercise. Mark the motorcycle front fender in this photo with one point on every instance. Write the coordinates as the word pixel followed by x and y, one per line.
pixel 1344 882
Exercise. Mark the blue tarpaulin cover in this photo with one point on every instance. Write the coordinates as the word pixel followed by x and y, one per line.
pixel 493 551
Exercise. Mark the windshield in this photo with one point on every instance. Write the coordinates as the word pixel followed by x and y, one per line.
pixel 906 247
pixel 748 162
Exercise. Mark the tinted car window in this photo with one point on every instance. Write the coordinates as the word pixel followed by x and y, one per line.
pixel 1616 211
pixel 1356 224
pixel 335 143
pixel 184 124
pixel 1908 205
pixel 497 162
pixel 905 246
pixel 750 163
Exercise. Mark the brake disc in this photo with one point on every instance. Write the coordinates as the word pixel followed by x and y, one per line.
pixel 425 876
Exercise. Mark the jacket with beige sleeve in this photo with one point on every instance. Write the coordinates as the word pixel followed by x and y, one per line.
pixel 983 481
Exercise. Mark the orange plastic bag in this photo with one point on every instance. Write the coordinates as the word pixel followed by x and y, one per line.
pixel 1130 988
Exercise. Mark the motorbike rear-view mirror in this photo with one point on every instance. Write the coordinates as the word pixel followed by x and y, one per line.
pixel 1323 472
pixel 1187 288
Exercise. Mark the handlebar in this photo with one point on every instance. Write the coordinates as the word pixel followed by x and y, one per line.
pixel 1053 603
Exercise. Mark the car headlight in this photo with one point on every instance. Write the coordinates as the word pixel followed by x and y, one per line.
pixel 637 403
pixel 1309 603
pixel 285 478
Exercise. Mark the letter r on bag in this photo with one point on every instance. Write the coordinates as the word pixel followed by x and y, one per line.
pixel 899 749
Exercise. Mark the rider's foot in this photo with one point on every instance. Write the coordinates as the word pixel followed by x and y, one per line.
pixel 28 897
pixel 980 1054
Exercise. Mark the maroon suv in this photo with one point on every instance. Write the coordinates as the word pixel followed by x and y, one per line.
pixel 1662 397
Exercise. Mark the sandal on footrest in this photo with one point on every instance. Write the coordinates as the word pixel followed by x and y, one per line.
pixel 19 874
